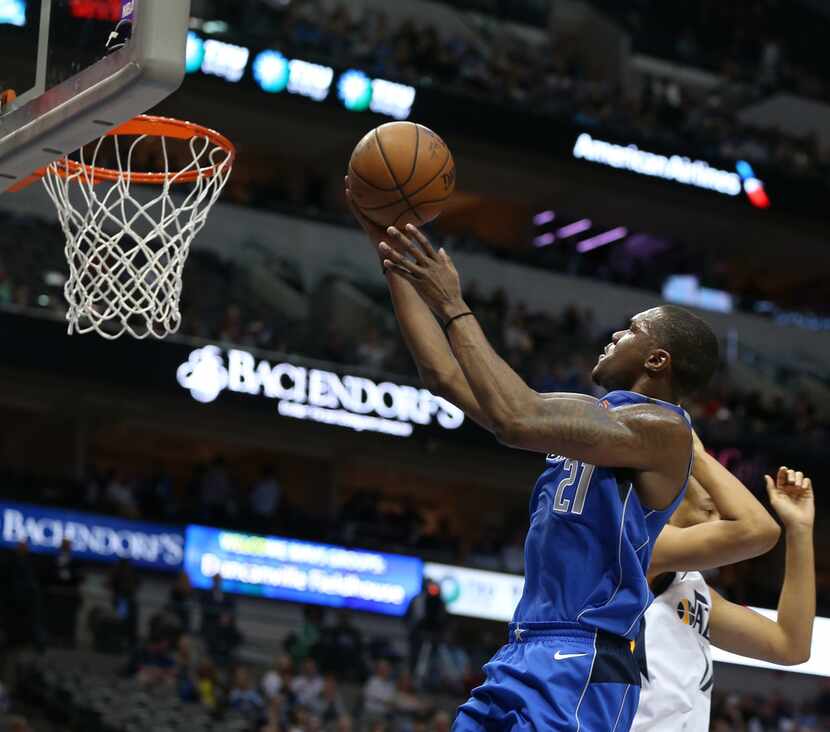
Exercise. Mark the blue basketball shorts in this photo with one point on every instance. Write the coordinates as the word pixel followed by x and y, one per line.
pixel 556 676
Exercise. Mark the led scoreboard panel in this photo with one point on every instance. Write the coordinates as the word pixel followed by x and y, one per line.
pixel 302 571
pixel 274 73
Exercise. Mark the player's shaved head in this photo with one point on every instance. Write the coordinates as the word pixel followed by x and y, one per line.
pixel 690 342
pixel 666 350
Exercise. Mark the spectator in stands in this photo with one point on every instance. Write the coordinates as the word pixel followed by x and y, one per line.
pixel 372 350
pixel 451 664
pixel 207 684
pixel 216 492
pixel 154 664
pixel 226 639
pixel 244 697
pixel 23 608
pixel 119 495
pixel 219 629
pixel 427 620
pixel 408 704
pixel 295 719
pixel 441 722
pixel 517 338
pixel 335 347
pixel 275 717
pixel 93 487
pixel 305 642
pixel 187 666
pixel 214 601
pixel 358 513
pixel 231 328
pixel 409 520
pixel 157 498
pixel 123 584
pixel 264 500
pixel 164 623
pixel 308 684
pixel 342 649
pixel 344 724
pixel 379 692
pixel 180 601
pixel 64 594
pixel 328 707
pixel 441 540
pixel 274 679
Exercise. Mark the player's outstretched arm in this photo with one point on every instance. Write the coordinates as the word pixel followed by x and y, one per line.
pixel 786 641
pixel 744 529
pixel 437 366
pixel 644 437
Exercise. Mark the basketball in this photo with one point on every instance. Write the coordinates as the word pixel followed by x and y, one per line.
pixel 401 173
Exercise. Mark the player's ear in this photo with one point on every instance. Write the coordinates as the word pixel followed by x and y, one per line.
pixel 658 360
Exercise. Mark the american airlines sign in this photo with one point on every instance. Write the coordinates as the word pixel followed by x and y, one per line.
pixel 316 395
pixel 697 173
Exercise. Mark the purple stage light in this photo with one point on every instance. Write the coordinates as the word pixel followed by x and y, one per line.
pixel 544 217
pixel 600 240
pixel 577 227
pixel 544 240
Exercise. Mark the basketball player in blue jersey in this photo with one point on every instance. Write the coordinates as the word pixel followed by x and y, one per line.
pixel 616 470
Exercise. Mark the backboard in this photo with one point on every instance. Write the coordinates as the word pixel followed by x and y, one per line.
pixel 78 68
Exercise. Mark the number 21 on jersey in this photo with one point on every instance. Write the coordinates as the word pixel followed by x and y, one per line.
pixel 573 471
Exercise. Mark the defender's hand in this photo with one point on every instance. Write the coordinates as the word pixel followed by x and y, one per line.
pixel 791 495
pixel 431 273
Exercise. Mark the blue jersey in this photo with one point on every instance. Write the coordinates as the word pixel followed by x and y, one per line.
pixel 590 542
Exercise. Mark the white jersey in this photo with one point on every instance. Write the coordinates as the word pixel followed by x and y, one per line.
pixel 677 695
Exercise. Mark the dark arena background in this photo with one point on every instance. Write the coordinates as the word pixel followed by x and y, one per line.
pixel 611 156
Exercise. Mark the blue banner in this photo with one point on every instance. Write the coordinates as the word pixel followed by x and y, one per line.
pixel 300 571
pixel 94 538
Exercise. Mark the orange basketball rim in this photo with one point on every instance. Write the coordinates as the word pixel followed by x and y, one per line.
pixel 146 126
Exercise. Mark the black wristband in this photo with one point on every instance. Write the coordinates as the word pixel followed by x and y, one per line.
pixel 455 317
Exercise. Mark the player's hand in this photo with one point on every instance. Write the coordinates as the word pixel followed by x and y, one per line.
pixel 431 273
pixel 791 495
pixel 375 233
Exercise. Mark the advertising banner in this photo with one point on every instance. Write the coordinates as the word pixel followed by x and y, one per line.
pixel 317 395
pixel 94 538
pixel 476 593
pixel 302 571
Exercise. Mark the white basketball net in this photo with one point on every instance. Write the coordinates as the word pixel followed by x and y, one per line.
pixel 127 242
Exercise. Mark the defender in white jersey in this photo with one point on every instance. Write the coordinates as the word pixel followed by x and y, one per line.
pixel 687 616
pixel 676 694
